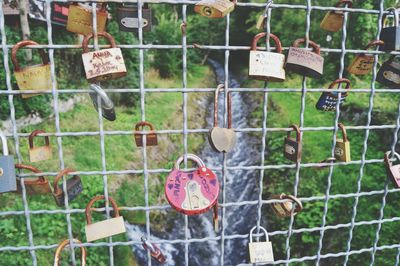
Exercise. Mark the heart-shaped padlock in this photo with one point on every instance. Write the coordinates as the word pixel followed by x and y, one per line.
pixel 222 139
pixel 193 192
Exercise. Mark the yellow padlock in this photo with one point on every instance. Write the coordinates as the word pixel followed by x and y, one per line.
pixel 342 148
pixel 333 20
pixel 80 19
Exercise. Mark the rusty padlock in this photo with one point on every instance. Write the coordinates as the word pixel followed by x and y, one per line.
pixel 155 252
pixel 39 185
pixel 393 171
pixel 292 147
pixel 363 63
pixel 151 137
pixel 35 77
pixel 74 187
pixel 304 62
pixel 328 101
pixel 215 8
pixel 39 153
pixel 342 148
pixel 80 18
pixel 128 17
pixel 266 65
pixel 103 64
pixel 106 228
pixel 285 209
pixel 333 20
pixel 62 245
pixel 390 34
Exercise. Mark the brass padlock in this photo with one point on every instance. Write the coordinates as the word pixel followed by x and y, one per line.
pixel 36 77
pixel 127 17
pixel 328 101
pixel 363 63
pixel 62 245
pixel 104 228
pixel 292 147
pixel 333 20
pixel 214 8
pixel 39 185
pixel 393 171
pixel 390 34
pixel 103 64
pixel 40 153
pixel 304 62
pixel 260 252
pixel 74 187
pixel 151 137
pixel 266 65
pixel 285 209
pixel 80 18
pixel 342 148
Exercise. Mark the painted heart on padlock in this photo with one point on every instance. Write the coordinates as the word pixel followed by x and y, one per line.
pixel 222 139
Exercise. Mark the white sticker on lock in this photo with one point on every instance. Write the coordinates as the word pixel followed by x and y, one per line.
pixel 133 22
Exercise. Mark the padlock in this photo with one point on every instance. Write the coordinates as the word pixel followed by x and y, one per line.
pixel 304 62
pixel 74 187
pixel 40 153
pixel 390 34
pixel 107 106
pixel 285 209
pixel 260 252
pixel 328 101
pixel 35 77
pixel 389 73
pixel 222 139
pixel 327 160
pixel 193 192
pixel 103 64
pixel 363 63
pixel 333 20
pixel 151 137
pixel 39 185
pixel 59 13
pixel 342 148
pixel 80 18
pixel 266 65
pixel 155 252
pixel 8 180
pixel 62 245
pixel 128 20
pixel 393 171
pixel 106 228
pixel 292 147
pixel 214 8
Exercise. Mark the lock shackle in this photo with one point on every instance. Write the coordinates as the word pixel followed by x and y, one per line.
pixel 103 7
pixel 344 2
pixel 191 157
pixel 62 245
pixel 299 205
pixel 4 143
pixel 97 198
pixel 374 44
pixel 263 229
pixel 298 132
pixel 103 34
pixel 387 160
pixel 30 168
pixel 34 134
pixel 339 81
pixel 139 126
pixel 66 171
pixel 344 133
pixel 314 45
pixel 393 11
pixel 19 45
pixel 106 101
pixel 217 91
pixel 272 36
pixel 327 160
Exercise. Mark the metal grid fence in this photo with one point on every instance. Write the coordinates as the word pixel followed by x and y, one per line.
pixel 145 171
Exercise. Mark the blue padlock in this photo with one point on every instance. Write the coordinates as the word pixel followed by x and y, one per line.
pixel 328 101
pixel 8 180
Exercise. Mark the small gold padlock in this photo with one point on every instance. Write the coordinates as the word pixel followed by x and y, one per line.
pixel 214 8
pixel 36 77
pixel 80 19
pixel 333 20
pixel 40 153
pixel 285 209
pixel 62 245
pixel 342 148
pixel 363 63
pixel 260 252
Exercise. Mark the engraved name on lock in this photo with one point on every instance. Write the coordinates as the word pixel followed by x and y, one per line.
pixel 267 63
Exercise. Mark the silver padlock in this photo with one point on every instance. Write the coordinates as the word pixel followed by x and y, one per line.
pixel 260 252
pixel 107 106
pixel 8 180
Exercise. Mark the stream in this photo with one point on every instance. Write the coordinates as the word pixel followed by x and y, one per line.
pixel 241 185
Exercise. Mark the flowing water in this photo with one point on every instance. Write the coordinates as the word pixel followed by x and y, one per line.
pixel 241 185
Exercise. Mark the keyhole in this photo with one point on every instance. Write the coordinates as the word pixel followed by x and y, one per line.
pixel 207 11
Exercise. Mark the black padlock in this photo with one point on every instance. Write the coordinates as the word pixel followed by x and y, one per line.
pixel 389 73
pixel 107 106
pixel 127 17
pixel 390 35
pixel 292 146
pixel 328 100
pixel 74 187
